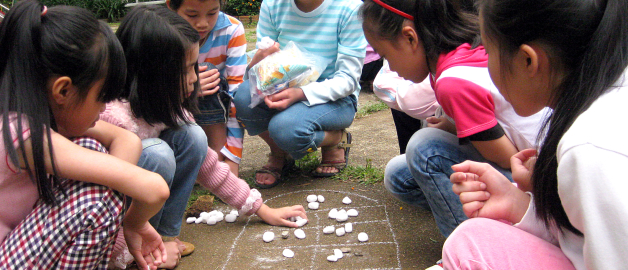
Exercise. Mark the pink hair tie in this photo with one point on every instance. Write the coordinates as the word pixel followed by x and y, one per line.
pixel 44 11
pixel 398 12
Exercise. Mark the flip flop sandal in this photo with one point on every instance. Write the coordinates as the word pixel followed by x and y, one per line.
pixel 275 172
pixel 345 143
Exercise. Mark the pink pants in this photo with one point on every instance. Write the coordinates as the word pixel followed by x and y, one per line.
pixel 481 243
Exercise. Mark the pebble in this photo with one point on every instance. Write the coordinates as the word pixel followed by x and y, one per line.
pixel 332 258
pixel 204 215
pixel 285 234
pixel 341 216
pixel 346 200
pixel 311 198
pixel 352 213
pixel 338 253
pixel 190 220
pixel 268 237
pixel 198 220
pixel 328 229
pixel 299 233
pixel 363 237
pixel 301 222
pixel 345 250
pixel 218 218
pixel 340 231
pixel 332 213
pixel 348 227
pixel 321 198
pixel 288 253
pixel 235 212
pixel 313 205
pixel 230 218
pixel 211 221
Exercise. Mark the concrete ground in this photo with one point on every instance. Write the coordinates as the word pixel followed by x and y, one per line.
pixel 400 236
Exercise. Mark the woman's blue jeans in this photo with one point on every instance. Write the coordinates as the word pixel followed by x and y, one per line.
pixel 177 156
pixel 421 176
pixel 299 129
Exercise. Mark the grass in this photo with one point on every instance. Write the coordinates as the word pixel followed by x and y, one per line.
pixel 197 192
pixel 370 108
pixel 362 174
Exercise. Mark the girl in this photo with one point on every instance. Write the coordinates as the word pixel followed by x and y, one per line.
pixel 222 49
pixel 440 39
pixel 569 55
pixel 156 104
pixel 296 121
pixel 58 67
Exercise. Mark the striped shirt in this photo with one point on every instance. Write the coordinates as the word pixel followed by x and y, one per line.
pixel 333 30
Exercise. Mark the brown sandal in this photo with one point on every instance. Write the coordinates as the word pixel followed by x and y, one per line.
pixel 345 143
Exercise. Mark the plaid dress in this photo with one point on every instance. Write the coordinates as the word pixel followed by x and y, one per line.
pixel 78 233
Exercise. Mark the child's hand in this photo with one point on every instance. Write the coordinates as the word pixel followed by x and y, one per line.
pixel 441 123
pixel 280 216
pixel 284 99
pixel 146 246
pixel 209 80
pixel 485 192
pixel 522 165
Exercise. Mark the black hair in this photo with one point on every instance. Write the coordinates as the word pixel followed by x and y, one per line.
pixel 176 4
pixel 34 46
pixel 442 25
pixel 156 41
pixel 587 43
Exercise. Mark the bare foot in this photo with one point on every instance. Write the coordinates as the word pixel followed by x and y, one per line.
pixel 275 162
pixel 173 249
pixel 331 154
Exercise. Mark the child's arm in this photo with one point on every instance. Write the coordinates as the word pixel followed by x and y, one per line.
pixel 119 142
pixel 217 178
pixel 498 151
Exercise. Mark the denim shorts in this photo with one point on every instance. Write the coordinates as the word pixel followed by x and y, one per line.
pixel 214 109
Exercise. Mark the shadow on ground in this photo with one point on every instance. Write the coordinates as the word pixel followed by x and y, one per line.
pixel 400 236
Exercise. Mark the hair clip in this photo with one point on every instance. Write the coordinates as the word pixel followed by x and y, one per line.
pixel 398 12
pixel 44 11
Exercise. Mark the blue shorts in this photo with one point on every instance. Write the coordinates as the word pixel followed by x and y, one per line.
pixel 214 109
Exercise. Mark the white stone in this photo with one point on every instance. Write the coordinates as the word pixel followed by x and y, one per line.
pixel 268 236
pixel 213 213
pixel 204 215
pixel 235 212
pixel 346 200
pixel 332 258
pixel 328 229
pixel 352 213
pixel 211 221
pixel 338 253
pixel 218 218
pixel 199 220
pixel 301 222
pixel 313 205
pixel 298 233
pixel 311 198
pixel 230 218
pixel 363 237
pixel 288 253
pixel 340 231
pixel 190 220
pixel 321 198
pixel 341 217
pixel 348 227
pixel 297 218
pixel 332 213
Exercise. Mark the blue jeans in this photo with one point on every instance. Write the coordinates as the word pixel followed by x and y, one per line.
pixel 421 176
pixel 299 129
pixel 177 156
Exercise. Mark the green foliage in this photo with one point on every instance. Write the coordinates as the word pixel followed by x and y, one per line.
pixel 6 3
pixel 242 7
pixel 364 175
pixel 371 107
pixel 111 10
pixel 309 162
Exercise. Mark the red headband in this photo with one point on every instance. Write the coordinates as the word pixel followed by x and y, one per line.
pixel 398 12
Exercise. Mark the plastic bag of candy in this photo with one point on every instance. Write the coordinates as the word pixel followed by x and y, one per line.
pixel 290 67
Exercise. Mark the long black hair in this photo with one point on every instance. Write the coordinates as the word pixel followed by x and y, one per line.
pixel 36 45
pixel 442 25
pixel 587 43
pixel 156 41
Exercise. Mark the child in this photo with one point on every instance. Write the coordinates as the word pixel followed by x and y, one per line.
pixel 223 47
pixel 440 39
pixel 569 55
pixel 174 146
pixel 59 66
pixel 296 121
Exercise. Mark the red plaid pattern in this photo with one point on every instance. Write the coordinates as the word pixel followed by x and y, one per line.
pixel 76 234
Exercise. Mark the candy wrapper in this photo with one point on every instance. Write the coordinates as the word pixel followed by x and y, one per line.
pixel 290 67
